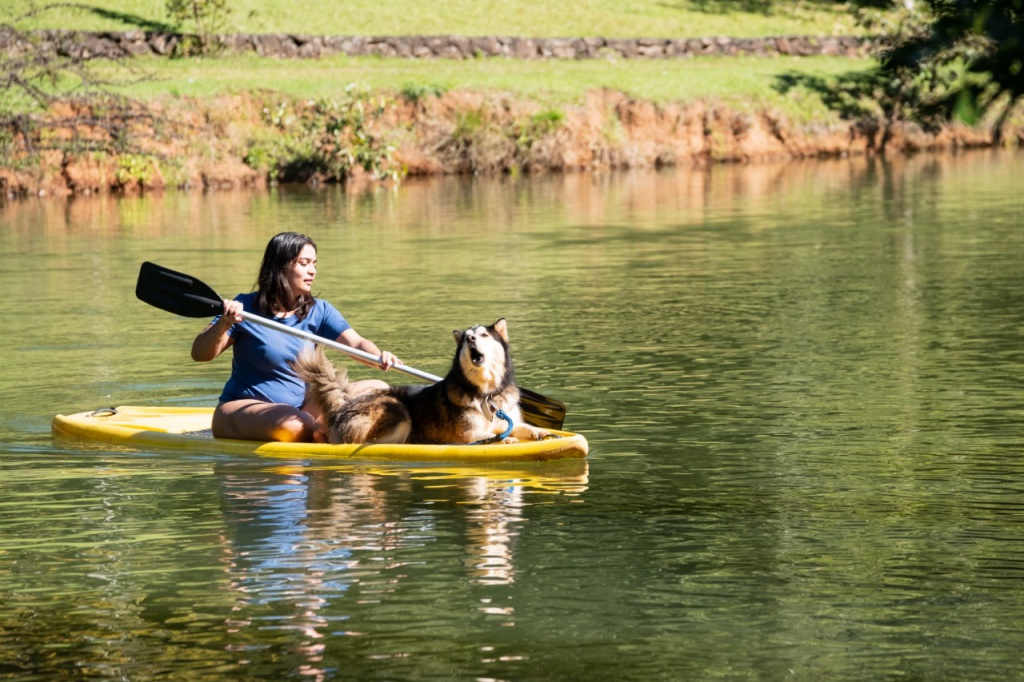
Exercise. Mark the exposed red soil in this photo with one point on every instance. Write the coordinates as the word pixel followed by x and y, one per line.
pixel 203 144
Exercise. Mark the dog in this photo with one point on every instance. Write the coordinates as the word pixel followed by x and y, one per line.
pixel 477 401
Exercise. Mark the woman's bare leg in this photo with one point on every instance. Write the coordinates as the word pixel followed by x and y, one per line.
pixel 256 420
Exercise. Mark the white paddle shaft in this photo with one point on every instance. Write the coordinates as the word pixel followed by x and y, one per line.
pixel 349 350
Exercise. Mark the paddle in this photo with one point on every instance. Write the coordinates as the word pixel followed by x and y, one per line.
pixel 185 295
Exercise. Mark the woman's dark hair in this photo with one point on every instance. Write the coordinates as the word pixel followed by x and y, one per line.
pixel 272 289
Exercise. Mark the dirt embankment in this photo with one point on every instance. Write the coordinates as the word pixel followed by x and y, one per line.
pixel 210 144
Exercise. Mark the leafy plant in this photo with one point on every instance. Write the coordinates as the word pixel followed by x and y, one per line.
pixel 469 124
pixel 134 169
pixel 207 18
pixel 535 128
pixel 969 55
pixel 546 121
pixel 324 139
pixel 415 93
pixel 953 60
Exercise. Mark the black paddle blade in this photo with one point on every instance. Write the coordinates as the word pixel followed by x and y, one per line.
pixel 176 292
pixel 540 410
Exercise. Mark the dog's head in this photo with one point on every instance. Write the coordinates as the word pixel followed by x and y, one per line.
pixel 483 356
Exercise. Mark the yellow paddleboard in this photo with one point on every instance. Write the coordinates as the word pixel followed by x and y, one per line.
pixel 188 428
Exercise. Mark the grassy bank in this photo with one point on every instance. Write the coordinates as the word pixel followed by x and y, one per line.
pixel 608 18
pixel 240 120
pixel 740 83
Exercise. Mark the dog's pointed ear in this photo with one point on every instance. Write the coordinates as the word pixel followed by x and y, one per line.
pixel 458 336
pixel 501 327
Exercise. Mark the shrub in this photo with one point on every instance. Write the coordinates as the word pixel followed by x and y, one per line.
pixel 323 139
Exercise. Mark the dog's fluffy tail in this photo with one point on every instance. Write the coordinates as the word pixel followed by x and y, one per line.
pixel 328 385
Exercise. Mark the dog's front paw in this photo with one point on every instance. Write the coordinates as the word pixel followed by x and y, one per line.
pixel 510 440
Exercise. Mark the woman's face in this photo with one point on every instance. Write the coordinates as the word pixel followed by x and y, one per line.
pixel 302 272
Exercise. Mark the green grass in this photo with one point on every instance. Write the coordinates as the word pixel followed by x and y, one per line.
pixel 740 82
pixel 607 18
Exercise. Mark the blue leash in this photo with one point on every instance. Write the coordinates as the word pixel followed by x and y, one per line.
pixel 500 414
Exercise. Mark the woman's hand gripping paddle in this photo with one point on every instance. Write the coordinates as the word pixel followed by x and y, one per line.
pixel 185 295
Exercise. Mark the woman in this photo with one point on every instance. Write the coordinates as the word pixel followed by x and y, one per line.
pixel 264 399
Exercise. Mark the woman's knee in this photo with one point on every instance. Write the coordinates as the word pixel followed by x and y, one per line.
pixel 298 428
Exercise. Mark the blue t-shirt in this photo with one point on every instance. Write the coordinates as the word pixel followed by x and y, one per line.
pixel 260 369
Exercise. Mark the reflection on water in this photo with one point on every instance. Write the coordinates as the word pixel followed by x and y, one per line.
pixel 173 552
pixel 800 385
pixel 307 547
pixel 324 519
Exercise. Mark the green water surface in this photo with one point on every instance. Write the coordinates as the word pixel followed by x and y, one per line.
pixel 803 388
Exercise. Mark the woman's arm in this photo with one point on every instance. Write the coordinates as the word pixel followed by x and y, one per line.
pixel 350 337
pixel 212 341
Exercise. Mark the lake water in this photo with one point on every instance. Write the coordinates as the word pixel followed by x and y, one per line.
pixel 803 388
